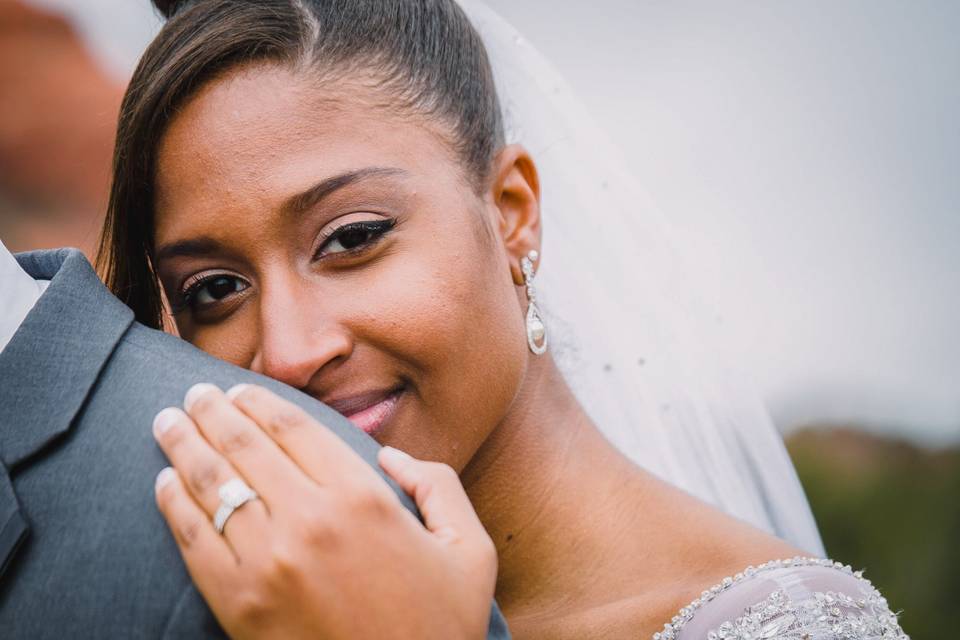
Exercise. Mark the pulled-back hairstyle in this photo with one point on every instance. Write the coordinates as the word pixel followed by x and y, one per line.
pixel 425 54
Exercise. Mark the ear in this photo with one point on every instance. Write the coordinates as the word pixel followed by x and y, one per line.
pixel 515 191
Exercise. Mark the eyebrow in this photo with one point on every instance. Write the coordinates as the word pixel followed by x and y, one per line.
pixel 293 205
pixel 315 194
pixel 187 248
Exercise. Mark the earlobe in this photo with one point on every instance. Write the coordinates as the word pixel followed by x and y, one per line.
pixel 516 194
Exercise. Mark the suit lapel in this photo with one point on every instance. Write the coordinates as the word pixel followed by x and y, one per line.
pixel 54 358
pixel 13 526
pixel 50 367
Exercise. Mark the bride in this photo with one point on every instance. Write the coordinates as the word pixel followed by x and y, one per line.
pixel 332 193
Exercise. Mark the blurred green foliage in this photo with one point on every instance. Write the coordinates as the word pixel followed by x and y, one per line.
pixel 892 509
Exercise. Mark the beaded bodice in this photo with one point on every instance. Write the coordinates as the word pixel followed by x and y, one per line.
pixel 792 599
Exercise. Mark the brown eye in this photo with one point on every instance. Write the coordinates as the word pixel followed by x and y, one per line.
pixel 221 287
pixel 354 237
pixel 213 289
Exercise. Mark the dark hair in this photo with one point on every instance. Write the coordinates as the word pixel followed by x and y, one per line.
pixel 426 54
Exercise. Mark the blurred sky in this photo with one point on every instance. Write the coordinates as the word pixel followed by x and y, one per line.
pixel 807 154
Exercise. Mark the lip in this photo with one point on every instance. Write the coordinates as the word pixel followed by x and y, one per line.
pixel 369 411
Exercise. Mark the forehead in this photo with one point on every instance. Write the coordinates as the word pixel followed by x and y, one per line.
pixel 266 128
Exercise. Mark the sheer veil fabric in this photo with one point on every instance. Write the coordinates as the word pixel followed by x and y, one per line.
pixel 639 347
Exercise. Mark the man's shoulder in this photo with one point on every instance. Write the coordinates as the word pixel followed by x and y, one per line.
pixel 150 370
pixel 143 346
pixel 154 369
pixel 98 548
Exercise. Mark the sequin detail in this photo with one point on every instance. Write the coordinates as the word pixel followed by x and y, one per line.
pixel 823 616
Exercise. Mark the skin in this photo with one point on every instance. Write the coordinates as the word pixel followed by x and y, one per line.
pixel 306 558
pixel 433 305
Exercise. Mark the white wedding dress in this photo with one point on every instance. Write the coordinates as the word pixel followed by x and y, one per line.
pixel 790 599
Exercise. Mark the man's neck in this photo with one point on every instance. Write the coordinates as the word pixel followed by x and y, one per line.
pixel 19 293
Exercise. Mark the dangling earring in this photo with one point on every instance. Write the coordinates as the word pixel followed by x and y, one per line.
pixel 535 329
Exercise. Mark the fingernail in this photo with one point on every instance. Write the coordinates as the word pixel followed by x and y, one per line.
pixel 164 420
pixel 395 455
pixel 195 392
pixel 236 390
pixel 164 477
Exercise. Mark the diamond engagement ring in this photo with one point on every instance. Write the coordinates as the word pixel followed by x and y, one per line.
pixel 233 495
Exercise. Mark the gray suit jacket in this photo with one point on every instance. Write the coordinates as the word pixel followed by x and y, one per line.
pixel 84 552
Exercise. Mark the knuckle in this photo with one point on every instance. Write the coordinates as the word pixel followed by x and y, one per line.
pixel 284 420
pixel 204 477
pixel 281 566
pixel 283 558
pixel 189 531
pixel 252 398
pixel 370 503
pixel 489 566
pixel 441 471
pixel 478 552
pixel 313 519
pixel 318 528
pixel 250 603
pixel 488 551
pixel 235 439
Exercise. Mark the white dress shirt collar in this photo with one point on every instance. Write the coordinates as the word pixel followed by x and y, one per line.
pixel 18 293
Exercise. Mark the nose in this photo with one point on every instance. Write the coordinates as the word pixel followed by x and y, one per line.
pixel 298 337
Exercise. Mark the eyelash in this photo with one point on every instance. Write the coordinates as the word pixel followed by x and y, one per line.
pixel 377 229
pixel 192 287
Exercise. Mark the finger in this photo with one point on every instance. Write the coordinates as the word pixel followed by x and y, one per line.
pixel 320 453
pixel 203 471
pixel 264 465
pixel 436 488
pixel 210 560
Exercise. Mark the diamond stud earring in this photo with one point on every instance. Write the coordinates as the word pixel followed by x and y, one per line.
pixel 536 332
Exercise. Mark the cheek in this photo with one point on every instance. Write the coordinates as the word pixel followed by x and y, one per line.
pixel 233 341
pixel 457 320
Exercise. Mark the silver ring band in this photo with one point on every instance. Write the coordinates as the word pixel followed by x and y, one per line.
pixel 233 494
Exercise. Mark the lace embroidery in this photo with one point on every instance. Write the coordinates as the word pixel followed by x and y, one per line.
pixel 824 616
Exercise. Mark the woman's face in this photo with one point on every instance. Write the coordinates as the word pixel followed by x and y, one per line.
pixel 315 236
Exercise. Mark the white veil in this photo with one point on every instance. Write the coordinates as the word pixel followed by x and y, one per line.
pixel 636 345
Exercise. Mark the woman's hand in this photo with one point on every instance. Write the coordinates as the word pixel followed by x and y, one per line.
pixel 327 550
